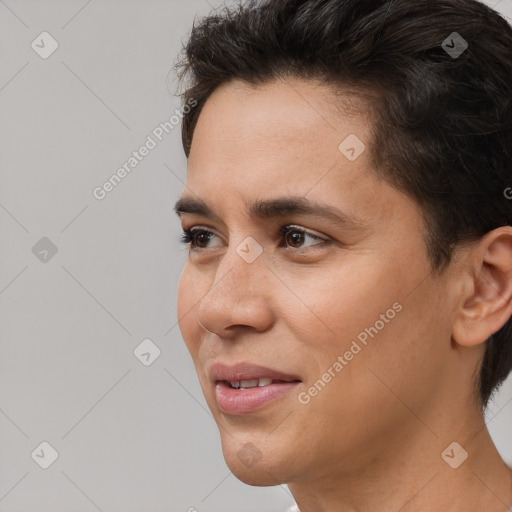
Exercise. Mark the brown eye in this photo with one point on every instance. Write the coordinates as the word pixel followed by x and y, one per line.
pixel 295 237
pixel 202 237
pixel 197 238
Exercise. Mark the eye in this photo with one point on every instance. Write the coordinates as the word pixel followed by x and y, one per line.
pixel 195 237
pixel 295 235
pixel 292 235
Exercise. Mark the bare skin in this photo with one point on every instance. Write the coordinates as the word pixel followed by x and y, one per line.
pixel 373 438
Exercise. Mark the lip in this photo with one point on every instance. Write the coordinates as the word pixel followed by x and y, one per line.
pixel 247 371
pixel 243 401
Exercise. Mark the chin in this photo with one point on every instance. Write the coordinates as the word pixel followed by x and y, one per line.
pixel 253 466
pixel 258 476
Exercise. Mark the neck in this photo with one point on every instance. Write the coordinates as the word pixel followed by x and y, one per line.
pixel 413 472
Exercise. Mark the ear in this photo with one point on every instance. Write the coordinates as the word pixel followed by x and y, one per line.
pixel 486 304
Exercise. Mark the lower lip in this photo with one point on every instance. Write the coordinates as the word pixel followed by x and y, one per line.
pixel 243 401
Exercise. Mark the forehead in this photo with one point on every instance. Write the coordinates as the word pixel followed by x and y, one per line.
pixel 284 133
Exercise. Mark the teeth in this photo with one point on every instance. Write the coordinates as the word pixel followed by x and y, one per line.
pixel 244 384
pixel 252 383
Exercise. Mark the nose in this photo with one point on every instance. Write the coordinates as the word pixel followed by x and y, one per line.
pixel 239 296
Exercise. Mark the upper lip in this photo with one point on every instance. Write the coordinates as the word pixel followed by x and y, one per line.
pixel 247 371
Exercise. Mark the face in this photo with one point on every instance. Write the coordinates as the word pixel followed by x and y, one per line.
pixel 349 307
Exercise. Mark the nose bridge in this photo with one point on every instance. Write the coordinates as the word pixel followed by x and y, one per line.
pixel 240 269
pixel 238 285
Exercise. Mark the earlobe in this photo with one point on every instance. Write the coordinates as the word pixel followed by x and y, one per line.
pixel 486 304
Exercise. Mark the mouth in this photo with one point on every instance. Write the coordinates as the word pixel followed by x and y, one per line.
pixel 245 372
pixel 244 400
pixel 245 387
pixel 254 383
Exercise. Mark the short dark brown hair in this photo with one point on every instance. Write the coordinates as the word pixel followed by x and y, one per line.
pixel 442 112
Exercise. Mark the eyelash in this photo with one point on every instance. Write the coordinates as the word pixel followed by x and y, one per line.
pixel 188 236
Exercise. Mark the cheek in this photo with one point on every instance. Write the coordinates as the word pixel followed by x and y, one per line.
pixel 339 302
pixel 370 312
pixel 394 348
pixel 189 293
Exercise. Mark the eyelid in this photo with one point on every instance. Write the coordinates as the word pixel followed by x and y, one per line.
pixel 281 234
pixel 200 227
pixel 289 227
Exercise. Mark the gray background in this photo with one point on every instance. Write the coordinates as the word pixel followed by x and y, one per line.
pixel 129 437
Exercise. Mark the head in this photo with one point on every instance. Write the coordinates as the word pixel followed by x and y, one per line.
pixel 364 107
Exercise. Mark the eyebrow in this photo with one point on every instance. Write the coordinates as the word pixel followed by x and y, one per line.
pixel 273 208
